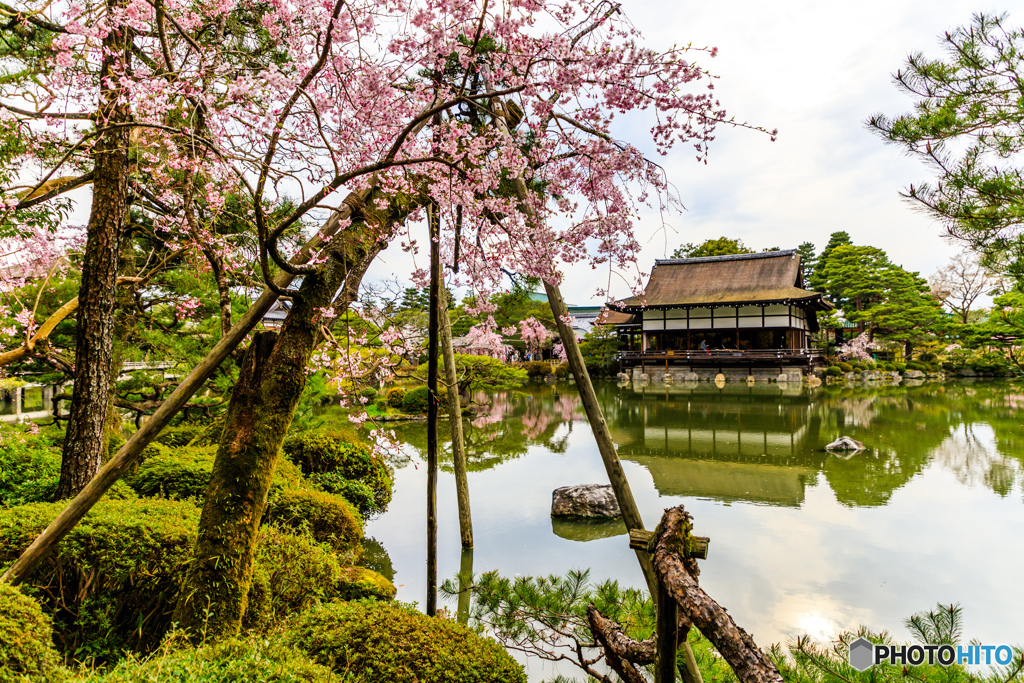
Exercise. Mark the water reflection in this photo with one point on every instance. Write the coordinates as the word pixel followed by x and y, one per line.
pixel 802 541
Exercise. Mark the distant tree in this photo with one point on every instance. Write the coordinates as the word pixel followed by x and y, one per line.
pixel 723 246
pixel 966 126
pixel 807 261
pixel 836 239
pixel 853 277
pixel 600 345
pixel 907 313
pixel 959 283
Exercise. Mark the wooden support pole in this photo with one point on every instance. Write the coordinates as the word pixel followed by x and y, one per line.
pixel 433 219
pixel 455 424
pixel 665 638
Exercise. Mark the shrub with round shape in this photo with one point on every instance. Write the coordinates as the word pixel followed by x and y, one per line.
pixel 330 519
pixel 358 583
pixel 415 401
pixel 383 641
pixel 395 396
pixel 26 639
pixel 834 371
pixel 333 451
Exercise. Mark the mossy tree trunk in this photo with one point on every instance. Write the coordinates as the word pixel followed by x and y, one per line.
pixel 215 591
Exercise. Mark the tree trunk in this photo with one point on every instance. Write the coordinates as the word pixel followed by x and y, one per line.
pixel 678 574
pixel 216 587
pixel 84 441
pixel 455 423
pixel 132 450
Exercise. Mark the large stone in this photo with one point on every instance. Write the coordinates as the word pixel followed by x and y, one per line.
pixel 622 377
pixel 586 500
pixel 845 443
pixel 913 374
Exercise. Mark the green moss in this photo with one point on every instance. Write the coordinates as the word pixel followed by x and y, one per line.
pixel 330 519
pixel 231 661
pixel 357 583
pixel 335 452
pixel 382 641
pixel 26 640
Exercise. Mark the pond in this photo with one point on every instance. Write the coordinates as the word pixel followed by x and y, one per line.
pixel 802 542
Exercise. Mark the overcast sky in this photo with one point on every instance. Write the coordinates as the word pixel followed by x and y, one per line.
pixel 815 71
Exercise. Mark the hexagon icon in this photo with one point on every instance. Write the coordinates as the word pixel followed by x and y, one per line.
pixel 862 654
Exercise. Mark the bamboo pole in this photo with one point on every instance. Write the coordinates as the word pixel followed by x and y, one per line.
pixel 455 423
pixel 132 449
pixel 433 221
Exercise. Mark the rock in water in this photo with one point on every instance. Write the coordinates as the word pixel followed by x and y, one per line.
pixel 845 443
pixel 587 500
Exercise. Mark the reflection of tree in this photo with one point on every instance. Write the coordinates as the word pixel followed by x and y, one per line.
pixel 736 434
pixel 506 426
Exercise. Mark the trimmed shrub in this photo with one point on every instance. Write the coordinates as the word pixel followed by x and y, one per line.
pixel 395 396
pixel 26 639
pixel 30 468
pixel 330 519
pixel 180 435
pixel 900 367
pixel 358 583
pixel 383 641
pixel 381 405
pixel 845 367
pixel 356 492
pixel 415 402
pixel 332 451
pixel 537 369
pixel 111 584
pixel 562 370
pixel 834 371
pixel 231 661
pixel 290 573
pixel 184 472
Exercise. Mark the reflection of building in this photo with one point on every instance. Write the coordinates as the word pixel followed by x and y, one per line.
pixel 728 447
pixel 723 310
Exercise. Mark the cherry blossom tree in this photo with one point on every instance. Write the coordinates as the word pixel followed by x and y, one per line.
pixel 398 104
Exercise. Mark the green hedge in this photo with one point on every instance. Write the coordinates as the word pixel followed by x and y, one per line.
pixel 373 642
pixel 330 519
pixel 537 369
pixel 26 640
pixel 180 435
pixel 358 583
pixel 834 371
pixel 30 468
pixel 183 472
pixel 232 661
pixel 332 451
pixel 415 402
pixel 111 584
pixel 356 492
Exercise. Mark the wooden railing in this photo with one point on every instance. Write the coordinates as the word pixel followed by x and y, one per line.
pixel 806 355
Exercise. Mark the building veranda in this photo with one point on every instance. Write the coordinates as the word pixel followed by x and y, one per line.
pixel 740 315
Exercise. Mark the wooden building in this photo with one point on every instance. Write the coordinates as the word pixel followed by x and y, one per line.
pixel 741 306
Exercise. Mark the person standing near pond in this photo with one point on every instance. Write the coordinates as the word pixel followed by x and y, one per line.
pixel 704 347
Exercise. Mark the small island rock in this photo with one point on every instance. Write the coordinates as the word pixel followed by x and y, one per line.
pixel 845 443
pixel 587 500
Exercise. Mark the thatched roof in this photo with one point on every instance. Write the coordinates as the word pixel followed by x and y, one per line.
pixel 740 279
pixel 612 317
